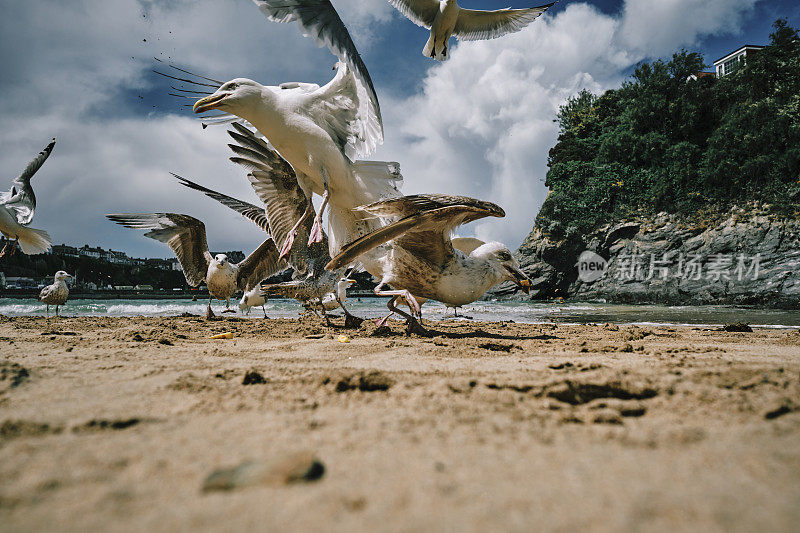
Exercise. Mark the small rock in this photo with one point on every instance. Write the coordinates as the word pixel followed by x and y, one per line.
pixel 607 416
pixel 496 347
pixel 165 341
pixel 253 378
pixel 627 348
pixel 299 467
pixel 381 331
pixel 782 409
pixel 738 327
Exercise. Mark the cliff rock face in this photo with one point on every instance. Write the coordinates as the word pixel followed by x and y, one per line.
pixel 744 258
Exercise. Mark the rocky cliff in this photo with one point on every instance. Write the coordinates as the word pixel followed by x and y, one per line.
pixel 744 257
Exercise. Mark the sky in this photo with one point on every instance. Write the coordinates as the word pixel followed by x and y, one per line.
pixel 480 124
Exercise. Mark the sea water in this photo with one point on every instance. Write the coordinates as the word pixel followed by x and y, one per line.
pixel 494 311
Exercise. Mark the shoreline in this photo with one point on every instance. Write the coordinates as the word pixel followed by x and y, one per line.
pixel 484 426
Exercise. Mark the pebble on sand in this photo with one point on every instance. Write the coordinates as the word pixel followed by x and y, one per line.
pixel 297 467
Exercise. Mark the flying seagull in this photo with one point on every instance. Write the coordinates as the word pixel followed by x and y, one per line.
pixel 17 207
pixel 186 236
pixel 319 131
pixel 445 18
pixel 57 293
pixel 423 262
pixel 275 183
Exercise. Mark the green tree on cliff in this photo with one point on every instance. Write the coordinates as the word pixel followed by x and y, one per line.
pixel 664 141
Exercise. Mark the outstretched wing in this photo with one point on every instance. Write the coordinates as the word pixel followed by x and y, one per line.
pixel 473 25
pixel 20 199
pixel 319 19
pixel 251 212
pixel 424 229
pixel 420 12
pixel 185 235
pixel 260 264
pixel 275 183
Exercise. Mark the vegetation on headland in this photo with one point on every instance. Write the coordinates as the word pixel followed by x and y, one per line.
pixel 666 142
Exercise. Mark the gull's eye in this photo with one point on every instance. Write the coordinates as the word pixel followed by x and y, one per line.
pixel 504 256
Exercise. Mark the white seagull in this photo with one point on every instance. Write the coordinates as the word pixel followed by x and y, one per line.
pixel 17 207
pixel 320 131
pixel 252 298
pixel 186 236
pixel 445 18
pixel 422 260
pixel 57 293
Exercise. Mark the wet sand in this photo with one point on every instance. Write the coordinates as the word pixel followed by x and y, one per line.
pixel 131 423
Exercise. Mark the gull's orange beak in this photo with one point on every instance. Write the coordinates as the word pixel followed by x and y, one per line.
pixel 209 102
pixel 519 278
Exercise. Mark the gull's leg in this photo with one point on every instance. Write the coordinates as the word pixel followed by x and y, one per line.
pixel 382 321
pixel 56 310
pixel 265 311
pixel 209 312
pixel 5 248
pixel 316 229
pixel 287 244
pixel 412 324
pixel 228 306
pixel 324 314
pixel 350 321
pixel 47 311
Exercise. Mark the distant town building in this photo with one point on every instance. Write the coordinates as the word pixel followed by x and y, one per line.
pixel 176 265
pixel 730 63
pixel 88 251
pixel 63 249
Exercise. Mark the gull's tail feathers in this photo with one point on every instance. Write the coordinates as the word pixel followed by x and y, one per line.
pixel 33 241
pixel 378 179
pixel 429 50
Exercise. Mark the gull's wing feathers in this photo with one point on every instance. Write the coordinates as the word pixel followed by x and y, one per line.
pixel 251 212
pixel 319 19
pixel 260 264
pixel 185 235
pixel 473 25
pixel 306 87
pixel 338 107
pixel 275 183
pixel 424 229
pixel 420 12
pixel 466 244
pixel 20 199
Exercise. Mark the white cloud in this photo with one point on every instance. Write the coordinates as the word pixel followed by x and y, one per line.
pixel 659 28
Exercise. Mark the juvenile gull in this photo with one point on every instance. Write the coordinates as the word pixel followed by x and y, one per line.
pixel 57 293
pixel 422 260
pixel 445 18
pixel 252 298
pixel 186 236
pixel 17 207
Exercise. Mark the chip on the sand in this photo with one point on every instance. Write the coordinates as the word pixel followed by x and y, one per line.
pixel 343 338
pixel 228 335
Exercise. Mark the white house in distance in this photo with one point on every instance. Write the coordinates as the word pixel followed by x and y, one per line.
pixel 729 63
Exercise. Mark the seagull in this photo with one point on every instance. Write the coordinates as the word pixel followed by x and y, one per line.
pixel 57 293
pixel 186 236
pixel 320 131
pixel 445 18
pixel 17 207
pixel 275 183
pixel 252 298
pixel 335 299
pixel 423 262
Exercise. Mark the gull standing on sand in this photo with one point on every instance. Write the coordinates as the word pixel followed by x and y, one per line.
pixel 320 131
pixel 17 207
pixel 445 18
pixel 423 262
pixel 252 298
pixel 186 236
pixel 275 183
pixel 57 293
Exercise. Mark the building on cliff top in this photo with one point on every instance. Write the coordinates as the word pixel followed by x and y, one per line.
pixel 730 63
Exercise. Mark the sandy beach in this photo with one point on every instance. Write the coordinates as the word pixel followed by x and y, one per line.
pixel 147 424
